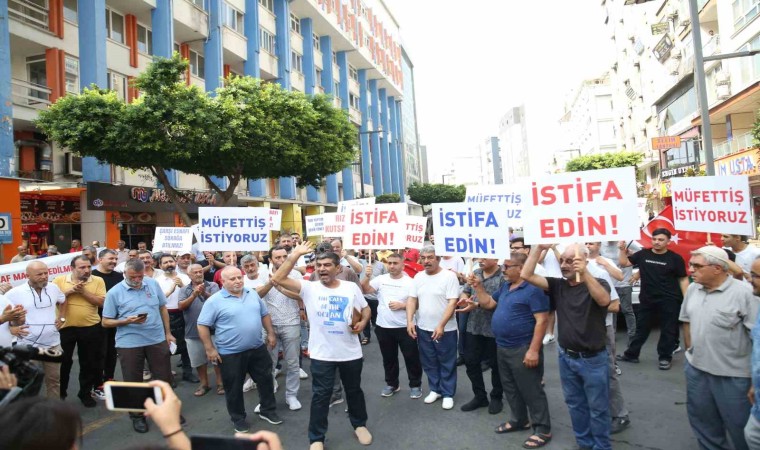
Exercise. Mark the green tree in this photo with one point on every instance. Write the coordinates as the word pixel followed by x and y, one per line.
pixel 604 161
pixel 388 198
pixel 246 129
pixel 427 194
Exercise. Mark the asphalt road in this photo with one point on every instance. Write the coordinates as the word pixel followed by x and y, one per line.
pixel 655 398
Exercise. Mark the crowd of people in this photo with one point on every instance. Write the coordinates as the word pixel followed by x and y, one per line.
pixel 306 310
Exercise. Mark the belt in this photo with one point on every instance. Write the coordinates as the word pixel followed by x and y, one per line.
pixel 577 355
pixel 174 310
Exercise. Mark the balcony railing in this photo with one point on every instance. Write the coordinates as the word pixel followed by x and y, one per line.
pixel 30 94
pixel 29 12
pixel 712 46
pixel 737 144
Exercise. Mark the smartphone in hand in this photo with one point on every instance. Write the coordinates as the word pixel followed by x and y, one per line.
pixel 130 397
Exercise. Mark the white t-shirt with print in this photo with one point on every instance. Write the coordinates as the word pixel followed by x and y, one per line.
pixel 330 312
pixel 388 290
pixel 41 313
pixel 433 293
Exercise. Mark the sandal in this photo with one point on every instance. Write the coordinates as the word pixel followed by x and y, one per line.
pixel 365 341
pixel 201 391
pixel 502 429
pixel 219 389
pixel 538 440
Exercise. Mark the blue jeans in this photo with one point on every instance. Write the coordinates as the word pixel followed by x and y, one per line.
pixel 717 406
pixel 439 361
pixel 586 387
pixel 322 381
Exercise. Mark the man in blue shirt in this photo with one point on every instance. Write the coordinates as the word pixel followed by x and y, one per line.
pixel 519 324
pixel 239 346
pixel 136 307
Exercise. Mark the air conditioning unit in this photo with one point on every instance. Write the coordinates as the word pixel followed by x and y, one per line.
pixel 722 78
pixel 724 91
pixel 73 164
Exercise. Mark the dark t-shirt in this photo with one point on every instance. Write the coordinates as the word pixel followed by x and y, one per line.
pixel 513 321
pixel 659 275
pixel 111 279
pixel 209 275
pixel 580 320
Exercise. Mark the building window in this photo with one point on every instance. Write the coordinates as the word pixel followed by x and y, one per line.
pixel 744 12
pixel 319 76
pixel 750 67
pixel 268 4
pixel 199 4
pixel 70 9
pixel 353 101
pixel 197 64
pixel 115 26
pixel 267 40
pixel 295 24
pixel 118 83
pixel 335 58
pixel 232 18
pixel 72 74
pixel 353 73
pixel 296 61
pixel 144 40
pixel 316 43
pixel 336 88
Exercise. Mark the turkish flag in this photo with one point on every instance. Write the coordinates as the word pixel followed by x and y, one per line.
pixel 681 242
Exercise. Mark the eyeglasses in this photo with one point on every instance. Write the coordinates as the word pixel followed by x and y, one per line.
pixel 698 266
pixel 516 247
pixel 39 302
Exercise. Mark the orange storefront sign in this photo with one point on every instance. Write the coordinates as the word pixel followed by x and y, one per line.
pixel 666 142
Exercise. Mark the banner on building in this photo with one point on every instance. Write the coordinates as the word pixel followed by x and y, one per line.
pixel 315 225
pixel 415 232
pixel 476 230
pixel 594 205
pixel 173 239
pixel 233 229
pixel 712 204
pixel 509 196
pixel 375 226
pixel 15 273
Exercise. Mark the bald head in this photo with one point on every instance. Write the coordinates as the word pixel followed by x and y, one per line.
pixel 37 274
pixel 232 280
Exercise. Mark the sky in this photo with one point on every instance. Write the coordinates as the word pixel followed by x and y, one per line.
pixel 474 60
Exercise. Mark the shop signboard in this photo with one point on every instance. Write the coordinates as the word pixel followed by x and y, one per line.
pixel 49 209
pixel 6 229
pixel 107 197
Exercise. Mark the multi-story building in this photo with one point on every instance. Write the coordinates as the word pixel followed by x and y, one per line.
pixel 587 124
pixel 424 164
pixel 513 140
pixel 349 49
pixel 411 149
pixel 491 171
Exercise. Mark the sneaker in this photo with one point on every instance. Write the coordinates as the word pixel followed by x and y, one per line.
pixel 363 435
pixel 317 445
pixel 678 349
pixel 415 393
pixel 140 424
pixel 664 364
pixel 271 417
pixel 388 391
pixel 626 358
pixel 87 400
pixel 432 397
pixel 257 409
pixel 302 374
pixel 618 372
pixel 293 404
pixel 98 393
pixel 146 375
pixel 336 401
pixel 448 403
pixel 619 424
pixel 248 385
pixel 549 339
pixel 242 426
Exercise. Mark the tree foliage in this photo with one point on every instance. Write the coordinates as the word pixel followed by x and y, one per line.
pixel 388 198
pixel 245 129
pixel 604 161
pixel 427 194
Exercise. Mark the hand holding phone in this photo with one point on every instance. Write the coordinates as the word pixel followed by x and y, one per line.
pixel 131 397
pixel 167 413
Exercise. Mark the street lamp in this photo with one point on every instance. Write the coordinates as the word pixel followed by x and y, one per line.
pixel 360 163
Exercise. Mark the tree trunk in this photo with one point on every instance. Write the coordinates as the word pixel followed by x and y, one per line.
pixel 173 194
pixel 226 194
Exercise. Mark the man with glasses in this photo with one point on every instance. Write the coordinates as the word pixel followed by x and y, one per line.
pixel 521 313
pixel 719 313
pixel 663 286
pixel 81 330
pixel 480 344
pixel 41 301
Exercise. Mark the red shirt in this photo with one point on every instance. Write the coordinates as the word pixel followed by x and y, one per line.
pixel 218 276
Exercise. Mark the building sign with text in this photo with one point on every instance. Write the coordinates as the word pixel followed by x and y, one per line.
pixel 102 196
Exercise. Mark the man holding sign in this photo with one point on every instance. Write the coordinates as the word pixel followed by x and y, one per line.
pixel 580 301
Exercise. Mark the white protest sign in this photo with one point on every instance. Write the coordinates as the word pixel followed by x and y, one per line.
pixel 172 239
pixel 275 219
pixel 476 230
pixel 509 196
pixel 344 206
pixel 712 204
pixel 595 205
pixel 415 232
pixel 225 229
pixel 15 273
pixel 375 226
pixel 334 224
pixel 315 225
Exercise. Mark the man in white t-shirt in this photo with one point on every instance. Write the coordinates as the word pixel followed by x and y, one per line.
pixel 41 301
pixel 434 298
pixel 171 283
pixel 10 315
pixel 393 289
pixel 254 278
pixel 331 306
pixel 745 253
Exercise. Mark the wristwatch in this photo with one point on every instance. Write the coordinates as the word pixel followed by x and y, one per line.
pixel 62 319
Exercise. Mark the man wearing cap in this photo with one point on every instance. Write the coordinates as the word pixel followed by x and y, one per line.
pixel 184 259
pixel 718 313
